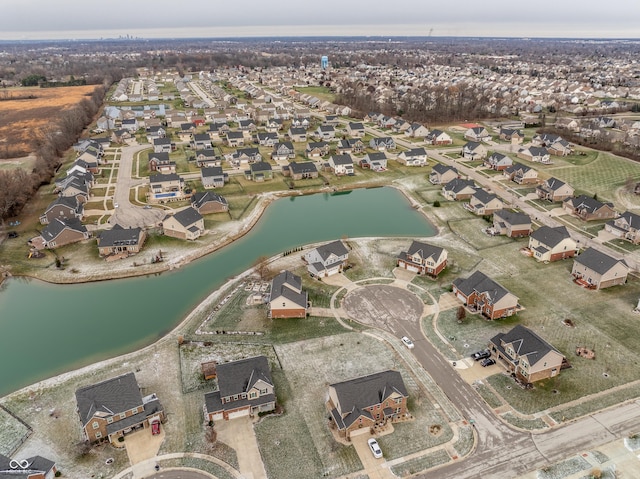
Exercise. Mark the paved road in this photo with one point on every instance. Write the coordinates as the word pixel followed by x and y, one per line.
pixel 176 474
pixel 127 214
pixel 503 452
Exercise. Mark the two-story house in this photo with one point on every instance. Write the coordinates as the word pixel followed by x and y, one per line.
pixel 442 174
pixel 597 270
pixel 356 405
pixel 207 202
pixel 287 298
pixel 497 161
pixel 554 190
pixel 438 137
pixel 474 150
pixel 121 241
pixel 341 164
pixel 511 223
pixel 482 294
pixel 423 258
pixel 185 224
pixel 521 174
pixel 413 157
pixel 110 409
pixel 245 388
pixel 458 189
pixel 552 244
pixel 483 203
pixel 589 209
pixel 327 260
pixel 63 208
pixel 526 354
pixel 626 226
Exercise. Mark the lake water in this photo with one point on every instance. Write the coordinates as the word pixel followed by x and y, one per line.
pixel 47 329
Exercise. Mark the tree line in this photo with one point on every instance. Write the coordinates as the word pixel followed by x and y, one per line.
pixel 49 145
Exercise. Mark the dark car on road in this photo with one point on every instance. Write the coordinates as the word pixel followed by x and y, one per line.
pixel 478 355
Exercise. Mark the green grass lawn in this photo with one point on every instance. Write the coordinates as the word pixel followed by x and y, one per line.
pixel 321 92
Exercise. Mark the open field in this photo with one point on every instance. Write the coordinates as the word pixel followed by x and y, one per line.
pixel 38 106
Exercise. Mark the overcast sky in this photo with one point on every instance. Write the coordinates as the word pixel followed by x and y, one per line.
pixel 36 19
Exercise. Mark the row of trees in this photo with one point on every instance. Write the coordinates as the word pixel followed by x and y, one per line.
pixel 50 143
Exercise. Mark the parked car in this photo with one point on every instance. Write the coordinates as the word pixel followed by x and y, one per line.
pixel 488 362
pixel 115 205
pixel 375 448
pixel 407 342
pixel 478 355
pixel 155 428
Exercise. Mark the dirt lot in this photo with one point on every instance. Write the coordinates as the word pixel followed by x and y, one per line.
pixel 37 107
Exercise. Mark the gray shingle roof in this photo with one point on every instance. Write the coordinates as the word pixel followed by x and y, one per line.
pixel 57 226
pixel 356 394
pixel 200 198
pixel 260 166
pixel 35 464
pixel 211 171
pixel 441 168
pixel 187 216
pixel 597 260
pixel 481 283
pixel 119 236
pixel 424 250
pixel 551 236
pixel 289 285
pixel 237 377
pixel 484 196
pixel 525 343
pixel 336 247
pixel 458 184
pixel 342 159
pixel 110 397
pixel 512 217
pixel 304 167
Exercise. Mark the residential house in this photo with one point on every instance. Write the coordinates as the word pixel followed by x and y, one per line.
pixel 326 260
pixel 552 244
pixel 77 185
pixel 217 132
pixel 474 150
pixel 300 171
pixel 515 136
pixel 325 132
pixel 162 145
pixel 207 202
pixel 482 294
pixel 441 174
pixel 350 146
pixel 382 143
pixel 598 270
pixel 458 189
pixel 297 134
pixel 512 224
pixel 355 129
pixel 287 299
pixel 554 190
pixel 589 209
pixel 235 138
pixel 186 131
pixel 416 130
pixel 498 161
pixel 555 144
pixel 477 133
pixel 110 409
pixel 245 388
pixel 537 154
pixel 341 164
pixel 358 404
pixel 376 161
pixel 244 156
pixel 331 120
pixel 164 188
pixel 423 258
pixel 386 121
pixel 626 226
pixel 283 151
pixel 247 127
pixel 201 141
pixel 521 174
pixel 120 136
pixel 526 354
pixel 413 157
pixel 34 467
pixel 63 208
pixel 259 171
pixel 213 177
pixel 130 124
pixel 60 232
pixel 185 224
pixel 317 149
pixel 161 163
pixel 273 125
pixel 438 137
pixel 207 158
pixel 121 241
pixel 267 139
pixel 483 203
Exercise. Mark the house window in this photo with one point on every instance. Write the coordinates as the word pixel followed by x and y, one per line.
pixel 263 391
pixel 98 435
pixel 109 419
pixel 398 400
pixel 253 395
pixel 134 410
pixel 95 425
pixel 123 415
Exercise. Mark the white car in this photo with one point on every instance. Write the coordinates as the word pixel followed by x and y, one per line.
pixel 116 205
pixel 407 342
pixel 375 449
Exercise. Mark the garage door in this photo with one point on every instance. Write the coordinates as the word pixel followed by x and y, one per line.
pixel 241 413
pixel 461 297
pixel 413 269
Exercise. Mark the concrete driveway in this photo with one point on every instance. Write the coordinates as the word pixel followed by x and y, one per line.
pixel 374 468
pixel 142 445
pixel 239 434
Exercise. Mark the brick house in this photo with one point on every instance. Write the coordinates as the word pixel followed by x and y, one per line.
pixel 357 405
pixel 245 388
pixel 589 209
pixel 287 299
pixel 60 233
pixel 526 354
pixel 626 226
pixel 208 202
pixel 63 208
pixel 552 243
pixel 300 170
pixel 423 258
pixel 119 240
pixel 554 190
pixel 511 223
pixel 482 294
pixel 442 174
pixel 112 408
pixel 185 224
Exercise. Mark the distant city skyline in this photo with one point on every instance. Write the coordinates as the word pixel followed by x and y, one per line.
pixel 75 19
